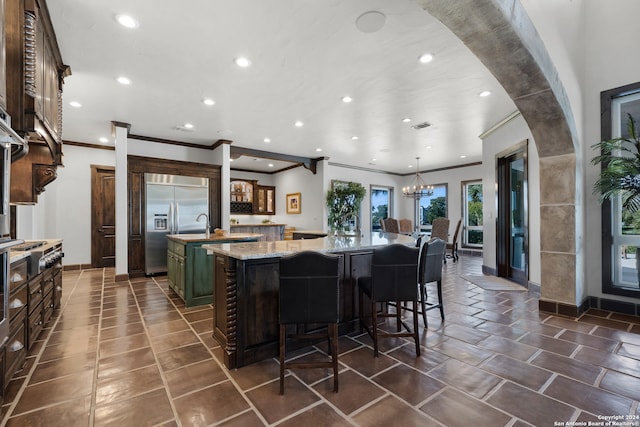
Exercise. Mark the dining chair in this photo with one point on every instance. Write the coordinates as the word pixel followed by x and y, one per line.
pixel 429 271
pixel 453 245
pixel 406 226
pixel 393 276
pixel 309 294
pixel 391 225
pixel 440 230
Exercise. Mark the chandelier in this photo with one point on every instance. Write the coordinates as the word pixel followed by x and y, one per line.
pixel 418 188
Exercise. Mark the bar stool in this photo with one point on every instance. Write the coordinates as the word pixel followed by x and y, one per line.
pixel 309 295
pixel 393 279
pixel 430 270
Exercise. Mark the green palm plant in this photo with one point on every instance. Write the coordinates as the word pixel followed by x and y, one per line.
pixel 620 173
pixel 343 202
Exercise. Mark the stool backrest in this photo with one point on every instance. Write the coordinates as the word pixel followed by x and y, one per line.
pixel 309 288
pixel 431 259
pixel 394 270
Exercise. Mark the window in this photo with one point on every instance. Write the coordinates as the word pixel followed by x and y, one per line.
pixel 621 230
pixel 472 214
pixel 381 206
pixel 434 206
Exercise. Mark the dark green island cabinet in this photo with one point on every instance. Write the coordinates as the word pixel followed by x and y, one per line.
pixel 190 269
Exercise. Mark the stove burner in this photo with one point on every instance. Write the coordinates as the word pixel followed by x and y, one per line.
pixel 26 246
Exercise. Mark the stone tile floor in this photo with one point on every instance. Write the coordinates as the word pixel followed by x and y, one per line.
pixel 131 354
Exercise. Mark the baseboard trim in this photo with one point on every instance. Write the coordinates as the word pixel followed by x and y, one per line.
pixel 563 309
pixel 73 267
pixel 121 277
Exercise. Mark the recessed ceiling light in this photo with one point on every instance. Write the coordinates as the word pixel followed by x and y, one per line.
pixel 406 120
pixel 123 80
pixel 104 140
pixel 426 58
pixel 463 157
pixel 298 124
pixel 428 147
pixel 484 93
pixel 127 21
pixel 374 159
pixel 270 165
pixel 241 61
pixel 318 149
pixel 75 104
pixel 410 166
pixel 188 126
pixel 267 140
pixel 209 102
pixel 354 137
pixel 346 99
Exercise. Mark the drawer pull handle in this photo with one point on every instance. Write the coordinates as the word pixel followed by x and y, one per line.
pixel 16 303
pixel 59 288
pixel 16 346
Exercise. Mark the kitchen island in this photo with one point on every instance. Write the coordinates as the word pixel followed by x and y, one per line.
pixel 190 268
pixel 246 283
pixel 269 231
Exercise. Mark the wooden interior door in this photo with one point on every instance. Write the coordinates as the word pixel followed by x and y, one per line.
pixel 103 216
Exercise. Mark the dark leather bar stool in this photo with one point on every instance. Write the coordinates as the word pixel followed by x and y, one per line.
pixel 309 295
pixel 430 270
pixel 393 279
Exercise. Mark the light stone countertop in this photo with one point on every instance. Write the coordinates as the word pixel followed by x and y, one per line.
pixel 258 250
pixel 201 237
pixel 257 225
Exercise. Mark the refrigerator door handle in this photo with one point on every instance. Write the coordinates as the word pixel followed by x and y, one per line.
pixel 177 216
pixel 171 218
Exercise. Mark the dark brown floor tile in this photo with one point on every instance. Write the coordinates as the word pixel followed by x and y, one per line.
pixel 123 345
pixel 607 323
pixel 162 316
pixel 499 329
pixel 612 334
pixel 120 311
pixel 146 409
pixel 61 367
pixel 255 374
pixel 167 327
pixel 55 391
pixel 110 322
pixel 69 348
pixel 209 340
pixel 166 342
pixel 210 405
pixel 127 385
pixel 125 362
pixel 82 333
pixel 467 378
pixel 245 419
pixel 629 350
pixel 74 413
pixel 537 327
pixel 589 340
pixel 354 391
pixel 121 331
pixel 529 406
pixel 454 408
pixel 12 390
pixel 625 318
pixel 611 361
pixel 273 406
pixel 463 319
pixel 391 411
pixel 311 376
pixel 517 371
pixel 196 316
pixel 463 333
pixel 592 399
pixel 203 326
pixel 550 344
pixel 194 377
pixel 570 324
pixel 311 416
pixel 182 356
pixel 463 351
pixel 406 383
pixel 625 385
pixel 568 367
pixel 508 347
pixel 428 359
pixel 362 360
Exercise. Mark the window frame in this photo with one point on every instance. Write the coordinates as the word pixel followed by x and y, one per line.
pixel 390 189
pixel 465 216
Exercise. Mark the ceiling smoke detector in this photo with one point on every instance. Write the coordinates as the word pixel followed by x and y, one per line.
pixel 422 125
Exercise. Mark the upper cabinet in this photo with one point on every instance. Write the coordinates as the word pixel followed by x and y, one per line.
pixel 35 74
pixel 249 198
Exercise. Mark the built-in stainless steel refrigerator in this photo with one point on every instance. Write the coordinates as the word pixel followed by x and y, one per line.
pixel 173 202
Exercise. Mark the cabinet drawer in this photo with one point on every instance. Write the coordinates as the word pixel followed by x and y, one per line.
pixel 34 325
pixel 17 301
pixel 35 294
pixel 47 307
pixel 18 274
pixel 47 283
pixel 16 351
pixel 179 249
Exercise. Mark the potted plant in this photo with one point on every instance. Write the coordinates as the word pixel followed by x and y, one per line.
pixel 343 203
pixel 620 176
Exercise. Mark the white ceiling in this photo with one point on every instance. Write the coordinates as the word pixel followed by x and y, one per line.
pixel 305 56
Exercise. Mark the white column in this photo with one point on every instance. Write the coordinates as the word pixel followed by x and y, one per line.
pixel 120 132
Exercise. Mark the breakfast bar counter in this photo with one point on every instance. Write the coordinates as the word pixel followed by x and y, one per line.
pixel 246 283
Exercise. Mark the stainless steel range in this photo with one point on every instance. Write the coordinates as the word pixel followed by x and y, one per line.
pixel 44 254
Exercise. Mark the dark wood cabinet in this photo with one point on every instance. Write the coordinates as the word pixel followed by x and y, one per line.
pixel 249 198
pixel 35 74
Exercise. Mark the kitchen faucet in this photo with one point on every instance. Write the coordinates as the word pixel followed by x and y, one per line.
pixel 206 232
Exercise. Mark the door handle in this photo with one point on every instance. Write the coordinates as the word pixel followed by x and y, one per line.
pixel 99 230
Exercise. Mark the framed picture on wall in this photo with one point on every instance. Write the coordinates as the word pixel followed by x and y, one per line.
pixel 294 203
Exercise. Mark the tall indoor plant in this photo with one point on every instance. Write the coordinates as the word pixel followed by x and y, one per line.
pixel 343 203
